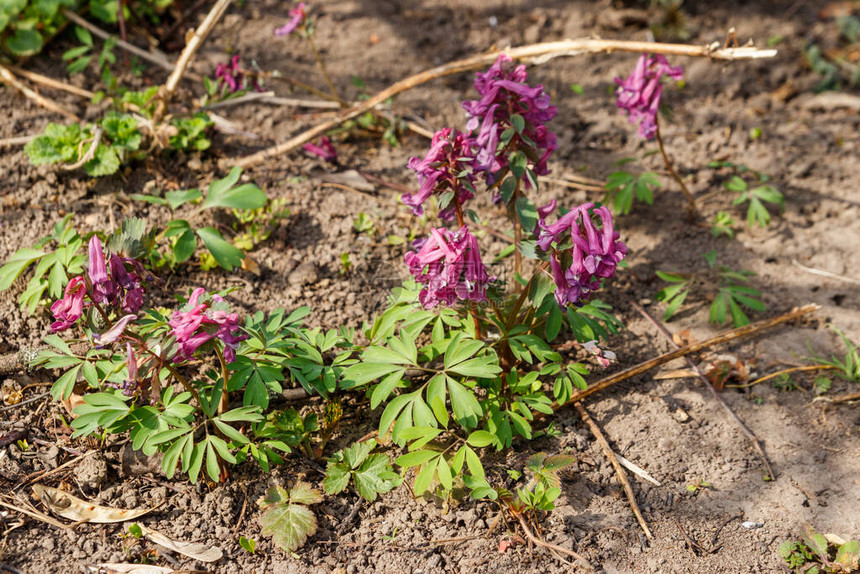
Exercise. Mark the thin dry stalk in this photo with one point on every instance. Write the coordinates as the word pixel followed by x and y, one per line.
pixel 169 88
pixel 536 53
pixel 845 398
pixel 20 140
pixel 159 59
pixel 552 547
pixel 782 372
pixel 8 78
pixel 51 82
pixel 732 335
pixel 691 201
pixel 622 476
pixel 33 513
pixel 822 273
pixel 737 420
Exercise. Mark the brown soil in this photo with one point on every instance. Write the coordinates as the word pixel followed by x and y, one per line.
pixel 671 427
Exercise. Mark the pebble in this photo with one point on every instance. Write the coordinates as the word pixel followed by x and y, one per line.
pixel 749 525
pixel 304 274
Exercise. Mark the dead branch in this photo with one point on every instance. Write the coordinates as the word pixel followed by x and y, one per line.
pixel 51 82
pixel 732 335
pixel 534 53
pixel 552 547
pixel 158 58
pixel 622 476
pixel 8 78
pixel 169 88
pixel 737 420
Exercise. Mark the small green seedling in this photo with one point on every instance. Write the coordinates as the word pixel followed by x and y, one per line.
pixel 364 224
pixel 698 485
pixel 249 544
pixel 723 225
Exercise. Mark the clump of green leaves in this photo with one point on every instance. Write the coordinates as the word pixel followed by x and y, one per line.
pixel 26 26
pixel 286 516
pixel 183 237
pixel 622 187
pixel 53 267
pixel 543 487
pixel 723 225
pixel 757 196
pixel 848 367
pixel 370 473
pixel 816 553
pixel 102 147
pixel 731 297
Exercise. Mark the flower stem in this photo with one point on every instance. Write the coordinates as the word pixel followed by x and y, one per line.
pixel 321 64
pixel 691 207
pixel 461 221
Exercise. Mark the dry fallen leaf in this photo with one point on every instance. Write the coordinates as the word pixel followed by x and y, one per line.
pixel 109 568
pixel 71 507
pixel 194 550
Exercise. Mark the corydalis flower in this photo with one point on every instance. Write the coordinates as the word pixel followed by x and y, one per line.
pixel 103 288
pixel 639 94
pixel 70 308
pixel 505 94
pixel 324 150
pixel 114 332
pixel 297 18
pixel 130 384
pixel 232 76
pixel 201 321
pixel 448 167
pixel 449 265
pixel 594 253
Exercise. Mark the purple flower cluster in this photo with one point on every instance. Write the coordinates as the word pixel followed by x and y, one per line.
pixel 232 76
pixel 504 94
pixel 447 167
pixel 593 255
pixel 297 19
pixel 199 322
pixel 448 264
pixel 639 94
pixel 122 288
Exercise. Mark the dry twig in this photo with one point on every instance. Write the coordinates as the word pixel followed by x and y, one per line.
pixel 732 335
pixel 158 59
pixel 8 78
pixel 169 88
pixel 622 476
pixel 552 547
pixel 51 82
pixel 741 425
pixel 536 53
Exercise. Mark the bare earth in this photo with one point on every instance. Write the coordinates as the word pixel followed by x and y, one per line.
pixel 670 427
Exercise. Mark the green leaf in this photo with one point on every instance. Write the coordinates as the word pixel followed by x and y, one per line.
pixel 518 163
pixel 415 458
pixel 337 475
pixel 24 42
pixel 223 194
pixel 177 198
pixel 289 523
pixel 375 476
pixel 226 254
pixel 362 373
pixel 16 264
pixel 481 438
pixel 848 556
pixel 185 246
pixel 527 213
pixel 736 184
